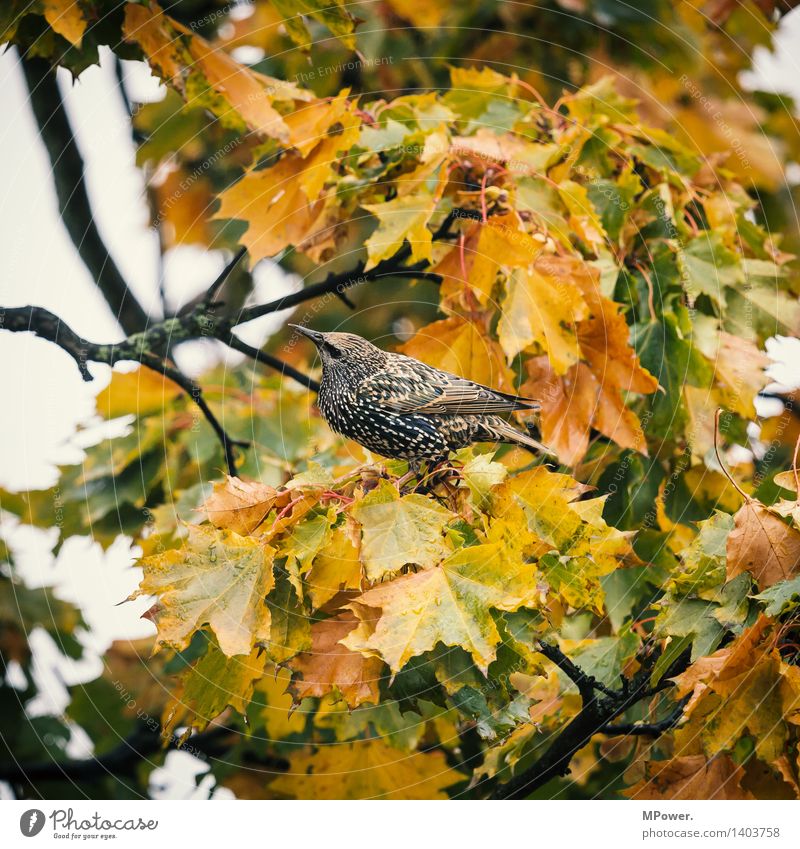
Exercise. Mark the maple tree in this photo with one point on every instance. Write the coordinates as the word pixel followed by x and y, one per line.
pixel 611 240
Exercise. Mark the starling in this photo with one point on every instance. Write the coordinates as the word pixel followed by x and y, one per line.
pixel 399 407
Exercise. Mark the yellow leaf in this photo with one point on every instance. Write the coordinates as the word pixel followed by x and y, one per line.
pixel 322 162
pixel 332 668
pixel 401 219
pixel 309 123
pixel 543 309
pixel 337 567
pixel 273 203
pixel 217 578
pixel 449 603
pixel 175 52
pixel 138 392
pixel 279 714
pixel 248 92
pixel 66 18
pixel 367 769
pixel 487 247
pixel 210 686
pixel 154 32
pixel 399 530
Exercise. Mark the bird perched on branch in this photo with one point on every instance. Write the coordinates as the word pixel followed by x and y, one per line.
pixel 399 407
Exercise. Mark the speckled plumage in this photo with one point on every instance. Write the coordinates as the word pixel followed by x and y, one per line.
pixel 399 407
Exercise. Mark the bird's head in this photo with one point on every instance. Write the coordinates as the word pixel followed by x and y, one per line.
pixel 339 351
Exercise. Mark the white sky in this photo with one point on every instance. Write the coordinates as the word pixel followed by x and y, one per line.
pixel 43 394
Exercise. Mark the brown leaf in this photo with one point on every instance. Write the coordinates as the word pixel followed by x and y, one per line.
pixel 240 505
pixel 690 777
pixel 762 544
pixel 331 667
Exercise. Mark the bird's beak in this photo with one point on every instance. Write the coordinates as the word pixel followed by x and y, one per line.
pixel 313 335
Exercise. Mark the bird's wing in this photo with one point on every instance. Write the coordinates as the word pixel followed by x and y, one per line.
pixel 408 386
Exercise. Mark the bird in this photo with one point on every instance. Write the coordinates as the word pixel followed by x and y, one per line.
pixel 404 409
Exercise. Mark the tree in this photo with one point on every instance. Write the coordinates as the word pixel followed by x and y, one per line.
pixel 620 622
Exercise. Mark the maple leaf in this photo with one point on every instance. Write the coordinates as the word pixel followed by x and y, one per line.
pixel 177 53
pixel 582 547
pixel 367 769
pixel 240 505
pixel 500 242
pixel 690 777
pixel 449 603
pixel 66 18
pixel 401 219
pixel 458 346
pixel 397 530
pixel 330 667
pixel 543 309
pixel 589 395
pixel 726 687
pixel 276 208
pixel 337 566
pixel 763 544
pixel 210 686
pixel 217 578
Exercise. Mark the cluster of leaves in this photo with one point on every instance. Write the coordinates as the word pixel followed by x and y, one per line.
pixel 585 257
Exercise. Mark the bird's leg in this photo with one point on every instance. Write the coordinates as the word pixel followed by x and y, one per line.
pixel 436 471
pixel 413 471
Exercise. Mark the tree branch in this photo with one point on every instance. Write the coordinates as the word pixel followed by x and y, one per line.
pixel 595 717
pixel 647 729
pixel 73 200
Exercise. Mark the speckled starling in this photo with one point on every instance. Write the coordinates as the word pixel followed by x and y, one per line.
pixel 399 407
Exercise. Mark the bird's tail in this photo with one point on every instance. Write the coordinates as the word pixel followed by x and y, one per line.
pixel 501 430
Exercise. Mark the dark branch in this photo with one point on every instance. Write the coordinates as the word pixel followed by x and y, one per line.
pixel 233 341
pixel 125 758
pixel 213 289
pixel 136 348
pixel 196 393
pixel 73 200
pixel 585 683
pixel 338 284
pixel 647 729
pixel 595 716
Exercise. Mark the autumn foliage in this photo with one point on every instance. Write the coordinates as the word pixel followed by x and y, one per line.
pixel 350 636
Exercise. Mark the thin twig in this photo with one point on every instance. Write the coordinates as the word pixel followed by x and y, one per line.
pixel 722 466
pixel 196 394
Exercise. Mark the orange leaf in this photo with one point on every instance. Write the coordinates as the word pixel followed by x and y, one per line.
pixel 240 505
pixel 762 544
pixel 690 777
pixel 331 667
pixel 459 346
